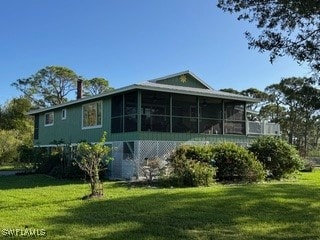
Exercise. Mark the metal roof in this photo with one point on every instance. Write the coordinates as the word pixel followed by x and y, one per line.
pixel 194 91
pixel 153 86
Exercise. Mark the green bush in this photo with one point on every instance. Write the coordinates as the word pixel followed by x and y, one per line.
pixel 26 154
pixel 72 171
pixel 235 163
pixel 278 157
pixel 49 162
pixel 201 153
pixel 9 144
pixel 191 167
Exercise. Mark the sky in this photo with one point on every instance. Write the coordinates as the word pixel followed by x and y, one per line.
pixel 127 42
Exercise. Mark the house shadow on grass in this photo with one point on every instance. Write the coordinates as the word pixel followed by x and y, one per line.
pixel 32 181
pixel 267 211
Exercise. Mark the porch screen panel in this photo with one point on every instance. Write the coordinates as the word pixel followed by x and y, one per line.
pixel 155 111
pixel 124 113
pixel 184 125
pixel 130 111
pixel 184 113
pixel 234 115
pixel 210 115
pixel 117 114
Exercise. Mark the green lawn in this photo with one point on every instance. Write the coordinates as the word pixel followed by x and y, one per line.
pixel 276 210
pixel 11 168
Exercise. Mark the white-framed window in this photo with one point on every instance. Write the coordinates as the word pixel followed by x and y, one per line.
pixel 48 119
pixel 64 114
pixel 92 115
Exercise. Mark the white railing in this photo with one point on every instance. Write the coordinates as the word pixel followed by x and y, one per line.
pixel 262 128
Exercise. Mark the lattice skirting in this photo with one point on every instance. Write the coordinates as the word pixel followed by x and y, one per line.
pixel 129 156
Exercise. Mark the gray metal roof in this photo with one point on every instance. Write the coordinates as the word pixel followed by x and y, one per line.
pixel 153 86
pixel 195 91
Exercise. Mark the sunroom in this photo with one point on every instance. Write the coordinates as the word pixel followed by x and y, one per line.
pixel 160 111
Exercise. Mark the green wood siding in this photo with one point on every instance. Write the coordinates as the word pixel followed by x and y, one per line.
pixel 70 130
pixel 184 80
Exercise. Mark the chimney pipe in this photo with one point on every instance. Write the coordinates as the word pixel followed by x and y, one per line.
pixel 79 88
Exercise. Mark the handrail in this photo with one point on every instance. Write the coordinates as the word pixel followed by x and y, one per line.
pixel 262 128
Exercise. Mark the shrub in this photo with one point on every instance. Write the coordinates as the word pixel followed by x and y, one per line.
pixel 190 166
pixel 72 171
pixel 278 157
pixel 9 144
pixel 235 163
pixel 201 153
pixel 48 163
pixel 153 168
pixel 26 153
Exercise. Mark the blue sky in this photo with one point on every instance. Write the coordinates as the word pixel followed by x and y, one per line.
pixel 128 41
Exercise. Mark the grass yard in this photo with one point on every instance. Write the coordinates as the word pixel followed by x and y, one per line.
pixel 276 210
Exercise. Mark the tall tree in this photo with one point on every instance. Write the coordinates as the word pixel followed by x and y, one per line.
pixel 49 86
pixel 96 86
pixel 272 112
pixel 301 99
pixel 230 90
pixel 287 27
pixel 13 114
pixel 16 129
pixel 275 97
pixel 255 93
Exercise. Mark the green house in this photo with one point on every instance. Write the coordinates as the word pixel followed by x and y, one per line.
pixel 150 119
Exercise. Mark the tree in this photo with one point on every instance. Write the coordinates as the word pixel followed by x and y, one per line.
pixel 230 90
pixel 255 93
pixel 13 114
pixel 272 112
pixel 16 129
pixel 301 100
pixel 96 86
pixel 288 27
pixel 9 144
pixel 92 159
pixel 49 86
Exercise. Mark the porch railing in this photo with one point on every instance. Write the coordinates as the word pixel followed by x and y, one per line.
pixel 262 128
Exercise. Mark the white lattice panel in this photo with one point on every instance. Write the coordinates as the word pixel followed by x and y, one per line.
pixel 128 168
pixel 116 164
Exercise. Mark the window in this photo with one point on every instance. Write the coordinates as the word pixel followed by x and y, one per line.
pixel 48 119
pixel 64 114
pixel 92 115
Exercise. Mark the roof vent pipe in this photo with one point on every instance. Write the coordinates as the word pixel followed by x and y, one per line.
pixel 79 88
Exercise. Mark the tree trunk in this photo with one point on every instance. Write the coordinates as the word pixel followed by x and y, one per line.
pixel 96 185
